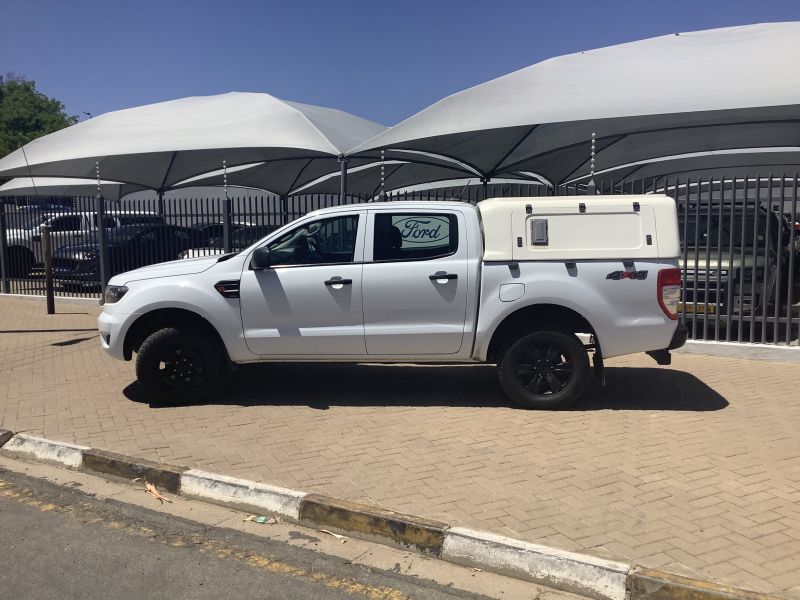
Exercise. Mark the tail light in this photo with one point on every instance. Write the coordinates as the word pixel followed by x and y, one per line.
pixel 669 291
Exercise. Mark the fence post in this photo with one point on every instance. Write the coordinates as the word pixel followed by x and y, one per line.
pixel 4 266
pixel 227 241
pixel 100 209
pixel 285 209
pixel 47 252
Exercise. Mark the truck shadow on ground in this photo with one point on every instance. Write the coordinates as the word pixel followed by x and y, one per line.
pixel 321 386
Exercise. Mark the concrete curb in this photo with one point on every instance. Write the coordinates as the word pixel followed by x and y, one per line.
pixel 768 352
pixel 164 476
pixel 577 573
pixel 649 584
pixel 241 493
pixel 69 455
pixel 5 435
pixel 568 571
pixel 371 522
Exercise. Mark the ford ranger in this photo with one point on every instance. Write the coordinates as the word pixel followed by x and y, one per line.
pixel 533 285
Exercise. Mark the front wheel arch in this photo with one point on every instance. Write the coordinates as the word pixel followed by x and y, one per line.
pixel 179 318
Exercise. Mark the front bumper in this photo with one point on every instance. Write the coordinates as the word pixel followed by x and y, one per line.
pixel 113 327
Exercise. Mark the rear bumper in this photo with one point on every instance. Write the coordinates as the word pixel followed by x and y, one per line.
pixel 679 337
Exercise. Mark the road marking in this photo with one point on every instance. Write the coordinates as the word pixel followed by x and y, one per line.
pixel 85 512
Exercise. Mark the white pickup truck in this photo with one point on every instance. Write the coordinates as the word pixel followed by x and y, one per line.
pixel 510 281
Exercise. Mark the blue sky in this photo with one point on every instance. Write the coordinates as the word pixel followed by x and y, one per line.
pixel 381 60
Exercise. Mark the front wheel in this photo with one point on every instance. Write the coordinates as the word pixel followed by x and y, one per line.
pixel 545 369
pixel 176 366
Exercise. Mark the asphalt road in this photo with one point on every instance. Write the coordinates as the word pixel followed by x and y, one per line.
pixel 57 542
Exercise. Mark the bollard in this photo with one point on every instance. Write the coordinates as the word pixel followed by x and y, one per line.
pixel 47 251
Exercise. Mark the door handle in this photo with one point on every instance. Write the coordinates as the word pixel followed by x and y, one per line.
pixel 436 276
pixel 339 281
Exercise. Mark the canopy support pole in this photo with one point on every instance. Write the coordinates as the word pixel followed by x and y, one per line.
pixel 342 179
pixel 485 182
pixel 160 202
pixel 227 207
pixel 102 245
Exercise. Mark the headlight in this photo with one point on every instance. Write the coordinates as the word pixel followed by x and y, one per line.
pixel 114 293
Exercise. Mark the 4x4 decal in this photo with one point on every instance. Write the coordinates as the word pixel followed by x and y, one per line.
pixel 617 275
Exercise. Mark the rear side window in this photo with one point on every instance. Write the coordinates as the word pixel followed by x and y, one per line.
pixel 420 236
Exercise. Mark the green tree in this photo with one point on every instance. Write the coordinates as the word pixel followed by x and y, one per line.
pixel 26 113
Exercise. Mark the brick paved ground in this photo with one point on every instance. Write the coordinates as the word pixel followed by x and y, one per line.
pixel 693 468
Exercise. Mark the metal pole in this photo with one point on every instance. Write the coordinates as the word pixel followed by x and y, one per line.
pixel 47 251
pixel 342 180
pixel 161 202
pixel 100 209
pixel 227 240
pixel 4 275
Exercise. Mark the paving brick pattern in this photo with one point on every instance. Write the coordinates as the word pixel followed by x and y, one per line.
pixel 693 468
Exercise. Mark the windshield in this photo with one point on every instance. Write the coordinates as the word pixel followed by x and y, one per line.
pixel 127 232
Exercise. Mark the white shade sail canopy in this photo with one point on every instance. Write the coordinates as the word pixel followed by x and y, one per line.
pixel 65 187
pixel 670 95
pixel 159 145
pixel 365 179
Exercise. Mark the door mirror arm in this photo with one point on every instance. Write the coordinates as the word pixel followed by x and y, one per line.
pixel 260 259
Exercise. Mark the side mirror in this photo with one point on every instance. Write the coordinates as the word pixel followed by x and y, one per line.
pixel 260 259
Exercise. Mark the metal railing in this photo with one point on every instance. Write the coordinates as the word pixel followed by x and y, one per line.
pixel 740 241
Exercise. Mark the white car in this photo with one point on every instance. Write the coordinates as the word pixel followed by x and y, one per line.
pixel 511 281
pixel 67 229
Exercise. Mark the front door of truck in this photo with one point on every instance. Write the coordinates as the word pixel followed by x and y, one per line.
pixel 415 282
pixel 309 301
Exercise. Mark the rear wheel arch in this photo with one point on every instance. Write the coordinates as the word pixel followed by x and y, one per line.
pixel 536 317
pixel 178 318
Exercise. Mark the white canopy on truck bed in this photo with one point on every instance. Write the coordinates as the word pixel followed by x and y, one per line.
pixel 580 228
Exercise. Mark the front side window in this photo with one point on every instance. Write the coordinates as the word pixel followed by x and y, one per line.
pixel 326 241
pixel 404 236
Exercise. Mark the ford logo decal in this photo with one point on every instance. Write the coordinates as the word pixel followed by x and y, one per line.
pixel 423 230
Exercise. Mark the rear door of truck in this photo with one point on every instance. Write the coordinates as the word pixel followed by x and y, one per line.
pixel 415 281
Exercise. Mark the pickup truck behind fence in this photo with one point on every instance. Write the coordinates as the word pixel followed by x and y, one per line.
pixel 532 284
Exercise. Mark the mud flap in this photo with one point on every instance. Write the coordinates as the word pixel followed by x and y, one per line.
pixel 662 357
pixel 599 368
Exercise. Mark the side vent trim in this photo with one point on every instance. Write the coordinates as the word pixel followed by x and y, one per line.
pixel 228 289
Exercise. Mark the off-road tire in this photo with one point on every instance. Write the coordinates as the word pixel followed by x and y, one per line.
pixel 175 366
pixel 531 366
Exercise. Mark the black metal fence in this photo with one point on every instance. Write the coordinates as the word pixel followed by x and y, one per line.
pixel 740 241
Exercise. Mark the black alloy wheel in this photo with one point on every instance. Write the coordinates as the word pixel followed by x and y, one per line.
pixel 545 369
pixel 178 366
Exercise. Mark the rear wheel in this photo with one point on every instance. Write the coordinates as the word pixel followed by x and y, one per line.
pixel 545 369
pixel 178 366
